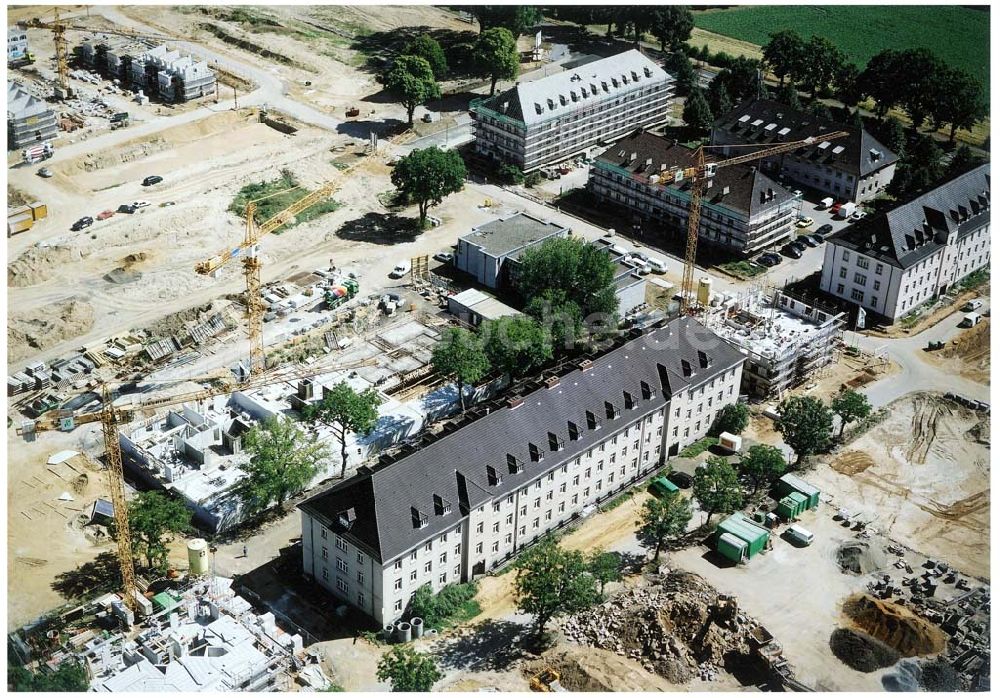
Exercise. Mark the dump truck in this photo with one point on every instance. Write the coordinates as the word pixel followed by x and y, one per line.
pixel 37 153
pixel 340 293
pixel 119 120
pixel 546 681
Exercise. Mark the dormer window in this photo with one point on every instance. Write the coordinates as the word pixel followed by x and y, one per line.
pixel 419 519
pixel 555 442
pixel 647 390
pixel 592 421
pixel 347 517
pixel 441 505
pixel 611 411
pixel 493 475
pixel 535 453
pixel 514 465
pixel 574 431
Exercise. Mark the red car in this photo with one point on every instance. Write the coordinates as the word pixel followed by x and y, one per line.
pixel 104 215
pixel 835 208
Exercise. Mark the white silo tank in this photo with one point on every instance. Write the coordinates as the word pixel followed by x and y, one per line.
pixel 704 290
pixel 197 556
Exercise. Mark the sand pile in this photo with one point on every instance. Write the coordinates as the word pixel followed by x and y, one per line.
pixel 592 669
pixel 112 158
pixel 39 264
pixel 860 557
pixel 31 332
pixel 894 625
pixel 861 652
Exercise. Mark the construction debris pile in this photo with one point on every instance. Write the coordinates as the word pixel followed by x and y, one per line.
pixel 860 557
pixel 678 628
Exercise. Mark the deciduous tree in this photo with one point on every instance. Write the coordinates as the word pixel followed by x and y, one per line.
pixel 805 424
pixel 427 47
pixel 496 57
pixel 282 462
pixel 784 54
pixel 427 175
pixel 517 19
pixel 411 81
pixel 605 568
pixel 408 671
pixel 850 406
pixel 670 24
pixel 732 419
pixel 664 517
pixel 152 517
pixel 718 98
pixel 516 345
pixel 957 101
pixel 762 464
pixel 568 269
pixel 551 582
pixel 350 410
pixel 717 487
pixel 459 354
pixel 679 65
pixel 697 112
pixel 822 62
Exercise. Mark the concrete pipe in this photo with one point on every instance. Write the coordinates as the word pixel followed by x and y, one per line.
pixel 403 633
pixel 418 627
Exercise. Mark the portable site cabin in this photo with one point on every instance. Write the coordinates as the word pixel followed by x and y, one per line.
pixel 661 487
pixel 739 538
pixel 789 483
pixel 791 505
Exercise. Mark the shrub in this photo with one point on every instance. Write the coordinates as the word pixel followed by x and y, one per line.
pixel 453 604
pixel 510 174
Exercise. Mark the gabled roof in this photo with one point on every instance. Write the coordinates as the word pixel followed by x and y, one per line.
pixel 21 104
pixel 577 88
pixel 913 231
pixel 768 122
pixel 455 468
pixel 740 188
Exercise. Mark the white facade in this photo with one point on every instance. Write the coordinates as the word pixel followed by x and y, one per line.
pixel 17 43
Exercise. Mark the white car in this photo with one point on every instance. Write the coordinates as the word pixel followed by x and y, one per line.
pixel 858 215
pixel 400 270
pixel 804 222
pixel 140 204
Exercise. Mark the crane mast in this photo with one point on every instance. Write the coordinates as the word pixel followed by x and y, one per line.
pixel 116 487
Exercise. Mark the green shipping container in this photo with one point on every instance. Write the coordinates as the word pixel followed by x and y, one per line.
pixel 732 547
pixel 792 505
pixel 754 535
pixel 661 487
pixel 790 483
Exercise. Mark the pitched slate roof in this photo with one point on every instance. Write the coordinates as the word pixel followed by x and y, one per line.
pixel 455 467
pixel 749 190
pixel 767 122
pixel 21 104
pixel 913 231
pixel 563 93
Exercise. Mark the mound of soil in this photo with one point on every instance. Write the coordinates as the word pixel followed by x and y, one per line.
pixel 938 675
pixel 39 264
pixel 31 332
pixel 593 669
pixel 861 652
pixel 122 275
pixel 895 625
pixel 860 557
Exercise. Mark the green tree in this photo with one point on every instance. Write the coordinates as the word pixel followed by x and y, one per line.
pixel 517 19
pixel 509 173
pixel 282 462
pixel 847 88
pixel 152 517
pixel 604 567
pixel 670 24
pixel 717 487
pixel 820 110
pixel 732 418
pixel 882 80
pixel 762 464
pixel 922 72
pixel 568 269
pixel 822 62
pixel 718 98
pixel 664 517
pixel 704 53
pixel 551 581
pixel 697 112
pixel 784 54
pixel 963 161
pixel 69 677
pixel 427 47
pixel 921 168
pixel 427 175
pixel 350 410
pixel 679 65
pixel 958 101
pixel 496 57
pixel 850 406
pixel 408 671
pixel 411 81
pixel 789 95
pixel 741 76
pixel 561 317
pixel 516 345
pixel 460 355
pixel 805 424
pixel 893 135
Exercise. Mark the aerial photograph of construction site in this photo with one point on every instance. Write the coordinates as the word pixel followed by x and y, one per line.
pixel 498 348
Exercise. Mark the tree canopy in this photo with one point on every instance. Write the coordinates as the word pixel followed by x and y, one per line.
pixel 670 24
pixel 551 582
pixel 408 671
pixel 718 98
pixel 152 516
pixel 664 517
pixel 516 345
pixel 69 677
pixel 717 487
pixel 516 19
pixel 427 47
pixel 697 113
pixel 411 81
pixel 762 464
pixel 823 62
pixel 805 424
pixel 495 56
pixel 732 418
pixel 283 461
pixel 679 65
pixel 427 175
pixel 604 567
pixel 459 354
pixel 568 269
pixel 784 54
pixel 350 410
pixel 850 406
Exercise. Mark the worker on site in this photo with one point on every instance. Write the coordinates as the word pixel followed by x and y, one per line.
pixel 244 550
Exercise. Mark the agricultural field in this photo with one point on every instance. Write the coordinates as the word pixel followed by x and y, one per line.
pixel 958 35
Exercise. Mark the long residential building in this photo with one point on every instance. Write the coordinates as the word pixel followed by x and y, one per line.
pixel 854 168
pixel 486 488
pixel 891 263
pixel 157 70
pixel 742 209
pixel 549 120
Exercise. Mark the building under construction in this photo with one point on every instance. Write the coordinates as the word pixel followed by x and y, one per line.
pixel 154 69
pixel 786 340
pixel 29 119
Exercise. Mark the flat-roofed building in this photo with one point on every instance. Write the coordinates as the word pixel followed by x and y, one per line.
pixel 490 251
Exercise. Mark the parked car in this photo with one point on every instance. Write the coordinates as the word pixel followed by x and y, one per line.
pixel 774 257
pixel 141 203
pixel 84 222
pixel 766 260
pixel 797 193
pixel 167 203
pixel 798 245
pixel 151 180
pixel 974 304
pixel 44 172
pixel 444 257
pixel 805 240
pixel 824 229
pixel 790 251
pixel 104 215
pixel 126 208
pixel 400 270
pixel 803 222
pixel 817 238
pixel 858 215
pixel 835 208
pixel 682 480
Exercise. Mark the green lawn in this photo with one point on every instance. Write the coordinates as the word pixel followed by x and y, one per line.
pixel 277 195
pixel 742 269
pixel 958 35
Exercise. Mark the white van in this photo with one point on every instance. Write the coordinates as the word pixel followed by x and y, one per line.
pixel 826 203
pixel 657 265
pixel 800 534
pixel 970 320
pixel 974 304
pixel 400 270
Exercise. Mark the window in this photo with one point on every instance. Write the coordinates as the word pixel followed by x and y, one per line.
pixel 496 526
pixel 548 496
pixel 342 585
pixel 322 533
pixel 398 584
pixel 862 263
pixel 398 565
pixel 843 272
pixel 874 301
pixel 534 524
pixel 538 502
pixel 562 507
pixel 398 606
pixel 458 550
pixel 341 543
pixel 847 255
pixel 427 547
pixel 413 555
pixel 857 294
pixel 575 499
pixel 495 547
pixel 443 579
pixel 361 599
pixel 508 538
pixel 444 537
pixel 479 548
pixel 361 558
pixel 341 565
pixel 877 284
pixel 326 554
pixel 840 289
pixel 878 268
pixel 326 574
pixel 562 487
pixel 413 576
pixel 444 558
pixel 860 279
pixel 427 566
pixel 361 577
pixel 479 527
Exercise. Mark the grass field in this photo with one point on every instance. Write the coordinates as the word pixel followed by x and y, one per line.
pixel 958 35
pixel 277 195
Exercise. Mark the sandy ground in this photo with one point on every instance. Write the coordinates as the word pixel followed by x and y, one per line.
pixel 922 479
pixel 968 355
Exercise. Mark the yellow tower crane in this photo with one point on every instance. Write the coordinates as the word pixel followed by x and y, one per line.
pixel 111 417
pixel 704 171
